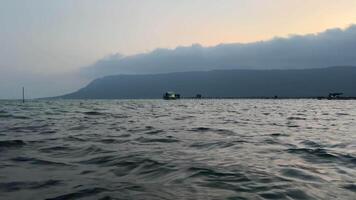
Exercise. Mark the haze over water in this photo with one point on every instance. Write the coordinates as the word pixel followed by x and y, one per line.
pixel 185 149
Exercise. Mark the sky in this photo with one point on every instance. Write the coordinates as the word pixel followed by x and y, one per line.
pixel 330 48
pixel 44 43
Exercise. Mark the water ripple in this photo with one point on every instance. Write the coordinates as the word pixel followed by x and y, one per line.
pixel 186 149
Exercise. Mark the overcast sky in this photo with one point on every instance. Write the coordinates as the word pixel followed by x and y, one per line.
pixel 44 42
pixel 333 47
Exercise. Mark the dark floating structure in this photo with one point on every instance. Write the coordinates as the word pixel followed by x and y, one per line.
pixel 335 95
pixel 171 96
pixel 175 96
pixel 199 96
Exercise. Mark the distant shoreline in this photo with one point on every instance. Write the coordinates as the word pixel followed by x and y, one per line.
pixel 227 84
pixel 316 98
pixel 194 98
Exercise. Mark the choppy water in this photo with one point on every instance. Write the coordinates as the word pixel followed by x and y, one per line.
pixel 186 149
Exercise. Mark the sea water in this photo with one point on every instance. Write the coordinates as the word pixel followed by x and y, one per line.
pixel 184 149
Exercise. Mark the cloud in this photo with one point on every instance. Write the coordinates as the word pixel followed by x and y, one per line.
pixel 330 48
pixel 334 47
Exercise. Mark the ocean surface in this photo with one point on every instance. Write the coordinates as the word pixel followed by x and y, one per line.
pixel 184 149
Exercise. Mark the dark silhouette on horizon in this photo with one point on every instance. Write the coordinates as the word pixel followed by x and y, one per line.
pixel 223 84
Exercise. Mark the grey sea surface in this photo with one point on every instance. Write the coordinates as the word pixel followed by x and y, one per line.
pixel 184 149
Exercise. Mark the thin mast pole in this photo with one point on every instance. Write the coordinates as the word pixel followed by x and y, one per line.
pixel 23 94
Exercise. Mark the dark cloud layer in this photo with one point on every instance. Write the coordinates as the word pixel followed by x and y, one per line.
pixel 333 47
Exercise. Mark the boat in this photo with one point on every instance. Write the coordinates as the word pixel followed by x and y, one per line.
pixel 335 95
pixel 171 96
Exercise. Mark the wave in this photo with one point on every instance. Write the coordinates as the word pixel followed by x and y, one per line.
pixel 157 140
pixel 320 155
pixel 80 194
pixel 153 149
pixel 213 130
pixel 37 161
pixel 29 185
pixel 93 113
pixel 12 143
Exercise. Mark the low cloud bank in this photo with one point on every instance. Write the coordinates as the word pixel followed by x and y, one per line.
pixel 333 47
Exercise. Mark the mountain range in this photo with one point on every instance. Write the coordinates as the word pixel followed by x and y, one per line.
pixel 224 84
